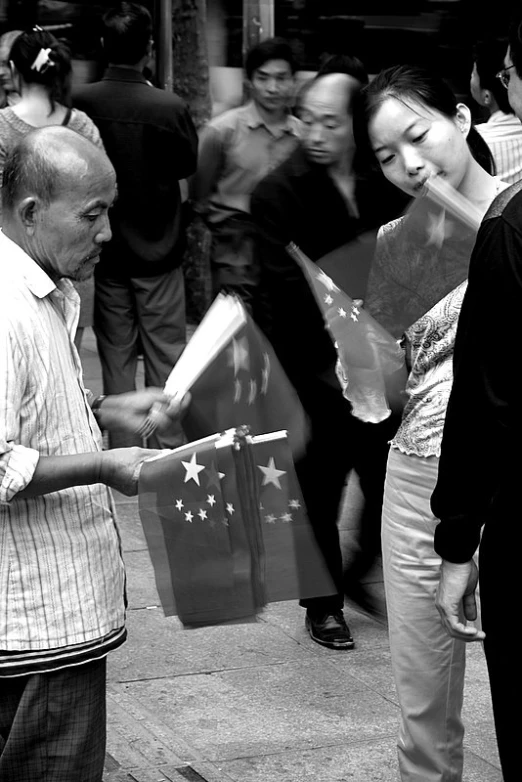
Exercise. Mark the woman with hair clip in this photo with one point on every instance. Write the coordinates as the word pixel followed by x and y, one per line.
pixel 411 122
pixel 41 73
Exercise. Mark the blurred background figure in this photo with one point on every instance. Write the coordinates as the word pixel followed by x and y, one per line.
pixel 237 149
pixel 151 141
pixel 8 95
pixel 40 75
pixel 503 130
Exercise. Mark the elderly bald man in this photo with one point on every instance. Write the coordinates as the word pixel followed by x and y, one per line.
pixel 62 580
pixel 321 199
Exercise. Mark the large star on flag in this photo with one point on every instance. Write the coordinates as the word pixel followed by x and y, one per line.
pixel 193 469
pixel 271 474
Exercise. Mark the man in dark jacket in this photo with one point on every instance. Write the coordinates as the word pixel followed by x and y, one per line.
pixel 152 143
pixel 477 496
pixel 318 200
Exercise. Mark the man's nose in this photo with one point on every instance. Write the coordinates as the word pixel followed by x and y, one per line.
pixel 316 133
pixel 104 234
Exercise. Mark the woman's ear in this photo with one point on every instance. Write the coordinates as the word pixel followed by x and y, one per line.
pixel 463 118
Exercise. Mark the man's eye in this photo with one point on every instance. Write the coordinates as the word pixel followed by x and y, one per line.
pixel 421 137
pixel 331 125
pixel 385 160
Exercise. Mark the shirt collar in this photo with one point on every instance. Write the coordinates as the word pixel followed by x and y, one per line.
pixel 254 120
pixel 124 74
pixel 22 265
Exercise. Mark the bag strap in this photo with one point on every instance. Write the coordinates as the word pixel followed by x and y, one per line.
pixel 67 117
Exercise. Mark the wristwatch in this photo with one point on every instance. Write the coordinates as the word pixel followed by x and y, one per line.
pixel 97 403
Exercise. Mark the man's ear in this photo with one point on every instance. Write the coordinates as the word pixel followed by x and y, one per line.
pixel 463 118
pixel 27 212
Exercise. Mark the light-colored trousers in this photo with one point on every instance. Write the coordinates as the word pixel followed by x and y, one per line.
pixel 428 665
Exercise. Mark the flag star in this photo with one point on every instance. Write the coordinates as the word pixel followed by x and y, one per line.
pixel 230 508
pixel 328 299
pixel 211 500
pixel 253 392
pixel 202 514
pixel 286 517
pixel 265 373
pixel 294 504
pixel 193 469
pixel 271 473
pixel 214 476
pixel 189 516
pixel 225 523
pixel 326 281
pixel 179 504
pixel 240 355
pixel 270 518
pixel 353 316
pixel 356 310
pixel 342 312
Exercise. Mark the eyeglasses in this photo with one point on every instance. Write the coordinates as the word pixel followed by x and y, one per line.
pixel 503 76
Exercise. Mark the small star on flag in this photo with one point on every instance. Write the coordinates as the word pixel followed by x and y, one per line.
pixel 189 516
pixel 230 508
pixel 342 312
pixel 193 469
pixel 295 504
pixel 202 514
pixel 179 504
pixel 271 474
pixel 328 299
pixel 211 500
pixel 270 518
pixel 286 517
pixel 240 355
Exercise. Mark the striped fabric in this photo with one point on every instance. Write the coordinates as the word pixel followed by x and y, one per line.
pixel 503 135
pixel 62 579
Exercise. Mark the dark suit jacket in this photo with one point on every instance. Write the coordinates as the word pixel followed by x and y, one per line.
pixel 298 202
pixel 150 138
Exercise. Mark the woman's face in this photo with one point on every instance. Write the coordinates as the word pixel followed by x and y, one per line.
pixel 413 142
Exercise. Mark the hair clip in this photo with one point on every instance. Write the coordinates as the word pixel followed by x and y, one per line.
pixel 43 61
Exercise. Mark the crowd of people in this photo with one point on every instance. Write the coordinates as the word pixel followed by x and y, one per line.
pixel 93 233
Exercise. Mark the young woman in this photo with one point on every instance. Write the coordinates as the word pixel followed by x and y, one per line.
pixel 41 74
pixel 413 125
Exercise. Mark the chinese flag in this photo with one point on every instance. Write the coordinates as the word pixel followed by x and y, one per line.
pixel 246 385
pixel 227 530
pixel 423 256
pixel 371 365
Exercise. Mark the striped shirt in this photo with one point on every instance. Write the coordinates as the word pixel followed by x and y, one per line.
pixel 62 581
pixel 503 135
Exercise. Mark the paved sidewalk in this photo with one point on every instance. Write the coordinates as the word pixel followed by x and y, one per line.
pixel 260 702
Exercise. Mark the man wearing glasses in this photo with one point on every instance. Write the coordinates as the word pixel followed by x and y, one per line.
pixel 477 497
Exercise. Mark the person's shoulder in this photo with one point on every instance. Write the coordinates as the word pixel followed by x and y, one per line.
pixel 508 205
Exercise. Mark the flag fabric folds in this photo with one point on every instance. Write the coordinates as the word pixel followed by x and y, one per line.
pixel 227 530
pixel 244 384
pixel 371 366
pixel 427 257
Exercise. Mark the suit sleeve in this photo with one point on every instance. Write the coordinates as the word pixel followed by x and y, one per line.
pixel 186 144
pixel 271 216
pixel 480 457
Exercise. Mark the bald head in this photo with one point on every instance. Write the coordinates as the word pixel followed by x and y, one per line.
pixel 325 110
pixel 334 89
pixel 46 160
pixel 58 189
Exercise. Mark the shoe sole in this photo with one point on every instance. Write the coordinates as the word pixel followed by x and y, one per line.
pixel 347 645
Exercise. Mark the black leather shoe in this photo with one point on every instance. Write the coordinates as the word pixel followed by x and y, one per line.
pixel 330 630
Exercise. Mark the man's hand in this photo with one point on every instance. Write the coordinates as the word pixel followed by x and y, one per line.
pixel 455 595
pixel 138 412
pixel 120 468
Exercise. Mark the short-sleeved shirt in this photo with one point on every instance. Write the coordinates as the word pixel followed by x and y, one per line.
pixel 62 580
pixel 236 150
